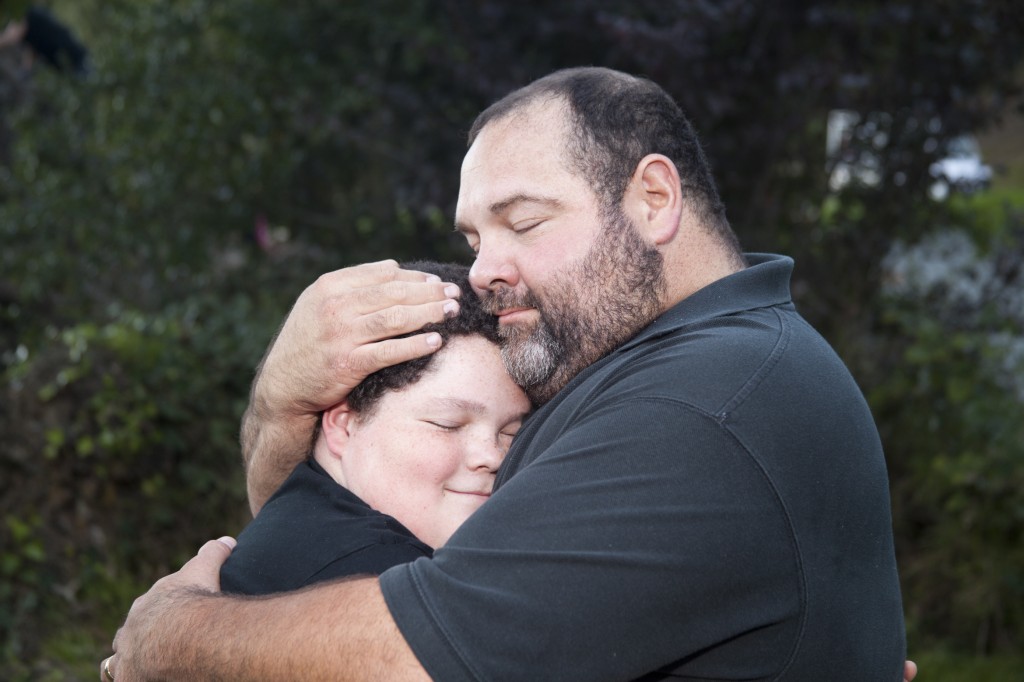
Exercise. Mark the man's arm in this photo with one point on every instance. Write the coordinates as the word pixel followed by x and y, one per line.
pixel 271 448
pixel 183 629
pixel 338 333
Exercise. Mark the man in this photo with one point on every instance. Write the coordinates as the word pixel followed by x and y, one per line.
pixel 702 494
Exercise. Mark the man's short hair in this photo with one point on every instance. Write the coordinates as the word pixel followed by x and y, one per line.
pixel 615 120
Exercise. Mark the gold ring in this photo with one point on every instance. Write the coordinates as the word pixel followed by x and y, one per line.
pixel 106 670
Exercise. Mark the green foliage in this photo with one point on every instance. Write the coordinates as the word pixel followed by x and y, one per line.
pixel 948 394
pixel 946 666
pixel 124 427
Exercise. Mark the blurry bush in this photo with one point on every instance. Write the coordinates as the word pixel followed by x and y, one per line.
pixel 949 394
pixel 119 455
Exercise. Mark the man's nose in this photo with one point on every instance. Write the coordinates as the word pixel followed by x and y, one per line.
pixel 492 269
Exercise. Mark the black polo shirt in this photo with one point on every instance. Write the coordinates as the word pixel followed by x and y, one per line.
pixel 710 501
pixel 311 530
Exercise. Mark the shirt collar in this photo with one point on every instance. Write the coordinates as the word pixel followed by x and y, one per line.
pixel 765 282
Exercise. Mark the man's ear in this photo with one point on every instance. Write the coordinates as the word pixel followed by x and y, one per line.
pixel 334 428
pixel 656 198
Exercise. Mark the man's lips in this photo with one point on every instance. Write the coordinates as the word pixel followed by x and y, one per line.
pixel 511 314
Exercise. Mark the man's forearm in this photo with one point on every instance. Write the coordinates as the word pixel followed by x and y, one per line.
pixel 336 631
pixel 272 445
pixel 273 440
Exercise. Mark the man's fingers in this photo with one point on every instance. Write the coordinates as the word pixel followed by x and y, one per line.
pixel 372 274
pixel 909 671
pixel 416 276
pixel 375 356
pixel 203 570
pixel 216 552
pixel 399 319
pixel 355 291
pixel 108 671
pixel 368 299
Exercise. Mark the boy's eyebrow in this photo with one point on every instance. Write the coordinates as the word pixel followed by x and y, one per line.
pixel 472 406
pixel 499 207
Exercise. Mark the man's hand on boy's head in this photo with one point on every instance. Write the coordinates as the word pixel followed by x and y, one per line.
pixel 339 332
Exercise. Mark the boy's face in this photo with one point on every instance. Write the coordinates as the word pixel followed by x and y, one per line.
pixel 428 454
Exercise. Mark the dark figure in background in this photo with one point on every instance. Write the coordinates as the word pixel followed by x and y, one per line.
pixel 54 42
pixel 48 39
pixel 37 35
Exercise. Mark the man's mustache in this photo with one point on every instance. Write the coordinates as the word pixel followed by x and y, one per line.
pixel 507 298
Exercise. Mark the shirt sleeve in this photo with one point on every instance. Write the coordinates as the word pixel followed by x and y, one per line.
pixel 371 560
pixel 626 546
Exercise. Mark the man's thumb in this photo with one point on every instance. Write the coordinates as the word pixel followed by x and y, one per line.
pixel 217 550
pixel 229 541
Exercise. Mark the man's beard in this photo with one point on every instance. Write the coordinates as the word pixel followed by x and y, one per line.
pixel 591 309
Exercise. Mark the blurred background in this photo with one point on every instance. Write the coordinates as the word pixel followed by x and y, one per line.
pixel 174 173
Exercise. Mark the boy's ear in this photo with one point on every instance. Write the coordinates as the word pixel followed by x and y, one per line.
pixel 334 426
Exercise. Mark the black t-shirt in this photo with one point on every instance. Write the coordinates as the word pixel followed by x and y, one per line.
pixel 311 530
pixel 709 501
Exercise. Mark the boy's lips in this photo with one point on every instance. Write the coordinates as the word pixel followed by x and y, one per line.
pixel 476 493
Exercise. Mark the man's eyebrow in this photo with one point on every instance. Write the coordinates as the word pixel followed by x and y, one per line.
pixel 499 207
pixel 523 198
